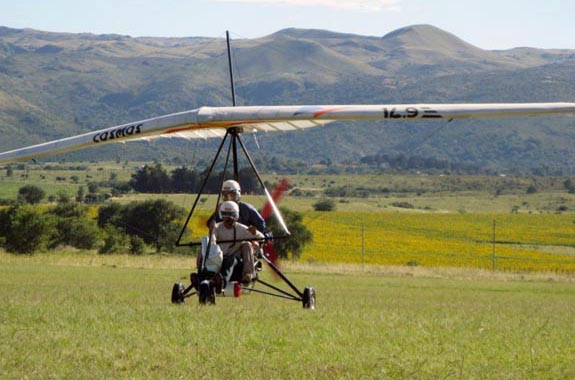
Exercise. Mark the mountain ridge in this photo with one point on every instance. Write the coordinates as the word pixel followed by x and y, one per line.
pixel 53 85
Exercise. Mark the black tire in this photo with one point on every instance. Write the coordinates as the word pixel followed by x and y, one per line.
pixel 178 293
pixel 207 293
pixel 308 299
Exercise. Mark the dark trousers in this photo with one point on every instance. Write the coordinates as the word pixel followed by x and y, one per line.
pixel 229 264
pixel 238 265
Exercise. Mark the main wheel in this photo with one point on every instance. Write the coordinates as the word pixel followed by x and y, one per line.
pixel 207 293
pixel 178 293
pixel 308 299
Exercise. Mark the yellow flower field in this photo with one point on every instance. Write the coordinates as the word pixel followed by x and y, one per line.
pixel 523 242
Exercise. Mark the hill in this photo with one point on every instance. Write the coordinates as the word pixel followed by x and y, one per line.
pixel 57 84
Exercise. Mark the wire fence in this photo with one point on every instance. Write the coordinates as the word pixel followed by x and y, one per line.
pixel 437 241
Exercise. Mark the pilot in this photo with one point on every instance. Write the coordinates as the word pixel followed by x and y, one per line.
pixel 237 243
pixel 249 216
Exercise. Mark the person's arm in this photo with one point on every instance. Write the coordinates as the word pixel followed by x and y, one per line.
pixel 254 218
pixel 247 233
pixel 260 222
pixel 215 218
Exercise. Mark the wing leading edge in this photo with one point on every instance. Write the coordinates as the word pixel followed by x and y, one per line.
pixel 209 122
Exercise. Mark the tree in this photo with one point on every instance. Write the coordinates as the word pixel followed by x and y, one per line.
pixel 151 179
pixel 81 233
pixel 68 210
pixel 155 221
pixel 4 222
pixel 31 194
pixel 115 240
pixel 73 227
pixel 62 197
pixel 80 195
pixel 28 230
pixel 93 187
pixel 184 180
pixel 299 238
pixel 569 185
pixel 249 182
pixel 120 187
pixel 110 214
pixel 151 220
pixel 92 198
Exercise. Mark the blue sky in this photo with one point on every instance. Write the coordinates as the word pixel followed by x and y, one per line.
pixel 488 24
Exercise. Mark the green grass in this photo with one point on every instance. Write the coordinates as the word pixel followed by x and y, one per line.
pixel 98 317
pixel 9 189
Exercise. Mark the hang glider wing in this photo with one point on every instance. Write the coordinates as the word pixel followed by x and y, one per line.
pixel 208 122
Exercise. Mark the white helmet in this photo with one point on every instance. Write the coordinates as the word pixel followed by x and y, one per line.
pixel 230 209
pixel 231 186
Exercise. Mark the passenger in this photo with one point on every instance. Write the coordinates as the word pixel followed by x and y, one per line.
pixel 249 216
pixel 238 244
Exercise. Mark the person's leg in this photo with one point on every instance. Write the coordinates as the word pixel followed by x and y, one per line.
pixel 248 270
pixel 228 265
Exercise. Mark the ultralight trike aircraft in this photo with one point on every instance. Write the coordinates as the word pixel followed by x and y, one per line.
pixel 229 123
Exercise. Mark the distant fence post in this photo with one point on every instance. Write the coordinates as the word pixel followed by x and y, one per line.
pixel 493 263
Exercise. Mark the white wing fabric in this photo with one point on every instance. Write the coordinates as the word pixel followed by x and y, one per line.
pixel 206 122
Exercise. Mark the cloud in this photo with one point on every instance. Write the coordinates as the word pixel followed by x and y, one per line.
pixel 354 5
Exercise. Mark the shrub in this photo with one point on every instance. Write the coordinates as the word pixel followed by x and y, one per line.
pixel 152 220
pixel 80 194
pixel 93 198
pixel 137 245
pixel 120 188
pixel 569 185
pixel 31 194
pixel 28 230
pixel 110 214
pixel 81 233
pixel 68 210
pixel 402 204
pixel 115 241
pixel 167 237
pixel 299 238
pixel 324 205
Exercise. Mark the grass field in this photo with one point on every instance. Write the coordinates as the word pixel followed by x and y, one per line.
pixel 85 316
pixel 425 305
